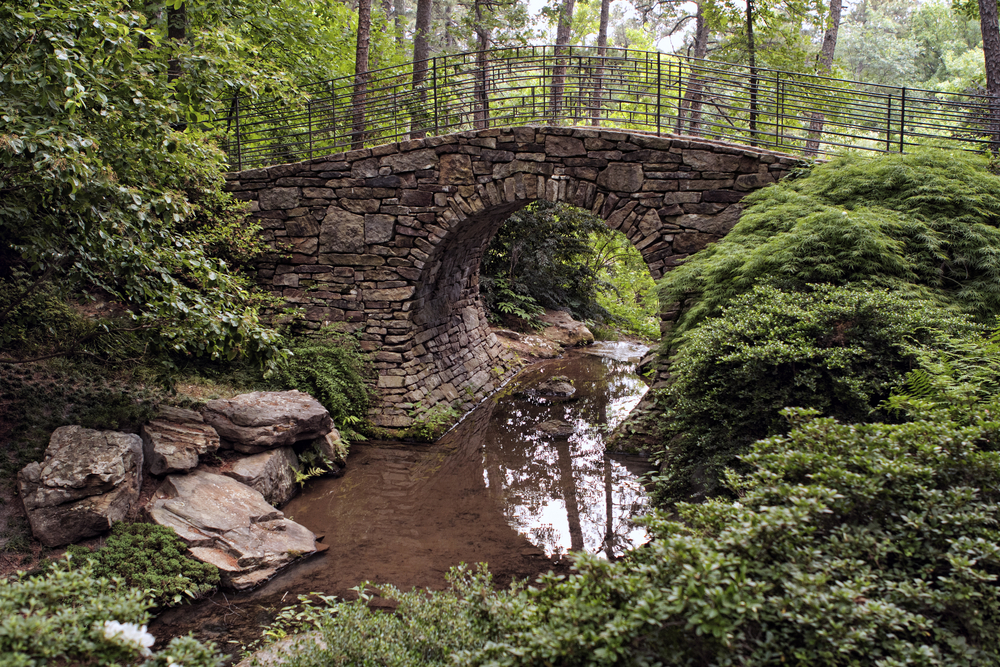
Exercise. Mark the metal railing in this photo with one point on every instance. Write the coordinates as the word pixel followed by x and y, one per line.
pixel 625 89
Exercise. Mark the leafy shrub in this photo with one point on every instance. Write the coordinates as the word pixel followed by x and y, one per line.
pixel 59 618
pixel 840 350
pixel 151 558
pixel 923 222
pixel 850 544
pixel 427 628
pixel 334 370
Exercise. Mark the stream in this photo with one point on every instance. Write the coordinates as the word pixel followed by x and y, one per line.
pixel 496 488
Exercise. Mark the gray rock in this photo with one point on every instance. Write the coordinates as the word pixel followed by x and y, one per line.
pixel 557 385
pixel 556 427
pixel 333 448
pixel 267 419
pixel 412 161
pixel 88 480
pixel 563 329
pixel 175 439
pixel 563 146
pixel 709 161
pixel 272 473
pixel 379 228
pixel 230 525
pixel 621 177
pixel 342 231
pixel 456 169
pixel 273 199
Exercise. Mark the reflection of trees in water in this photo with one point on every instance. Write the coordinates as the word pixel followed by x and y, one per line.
pixel 535 473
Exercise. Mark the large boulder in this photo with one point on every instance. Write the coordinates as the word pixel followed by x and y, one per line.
pixel 561 328
pixel 263 420
pixel 558 386
pixel 88 480
pixel 230 525
pixel 175 439
pixel 272 473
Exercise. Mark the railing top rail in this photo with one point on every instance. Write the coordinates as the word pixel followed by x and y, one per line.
pixel 795 112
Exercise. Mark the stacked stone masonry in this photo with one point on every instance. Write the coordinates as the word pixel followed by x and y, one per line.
pixel 388 240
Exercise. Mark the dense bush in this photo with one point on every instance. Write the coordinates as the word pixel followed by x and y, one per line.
pixel 840 350
pixel 70 616
pixel 151 558
pixel 923 222
pixel 872 544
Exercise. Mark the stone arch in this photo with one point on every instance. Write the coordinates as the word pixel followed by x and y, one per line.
pixel 389 239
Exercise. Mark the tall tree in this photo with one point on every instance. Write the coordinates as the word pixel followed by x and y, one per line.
pixel 358 100
pixel 564 28
pixel 483 33
pixel 825 65
pixel 421 52
pixel 989 23
pixel 602 52
pixel 693 95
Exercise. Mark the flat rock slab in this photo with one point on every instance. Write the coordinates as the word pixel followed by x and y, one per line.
pixel 272 473
pixel 174 441
pixel 263 420
pixel 556 427
pixel 87 480
pixel 230 525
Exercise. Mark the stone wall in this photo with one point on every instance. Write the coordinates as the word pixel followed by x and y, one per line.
pixel 388 240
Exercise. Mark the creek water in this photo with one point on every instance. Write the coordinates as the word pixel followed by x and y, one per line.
pixel 520 481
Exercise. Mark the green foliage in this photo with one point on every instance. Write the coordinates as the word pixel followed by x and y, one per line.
pixel 427 628
pixel 35 400
pixel 851 544
pixel 840 350
pixel 151 558
pixel 923 222
pixel 333 369
pixel 58 618
pixel 95 177
pixel 626 290
pixel 539 256
pixel 430 423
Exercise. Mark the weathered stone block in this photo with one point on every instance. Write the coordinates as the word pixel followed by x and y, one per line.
pixel 271 199
pixel 412 161
pixel 342 231
pixel 455 169
pixel 564 146
pixel 379 228
pixel 621 177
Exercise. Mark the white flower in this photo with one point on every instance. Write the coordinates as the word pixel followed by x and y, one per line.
pixel 131 635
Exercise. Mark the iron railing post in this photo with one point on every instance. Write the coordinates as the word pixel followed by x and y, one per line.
pixel 434 76
pixel 309 126
pixel 659 75
pixel 888 124
pixel 902 117
pixel 239 138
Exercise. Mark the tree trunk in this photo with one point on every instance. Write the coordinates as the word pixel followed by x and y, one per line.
pixel 752 52
pixel 563 32
pixel 361 73
pixel 693 95
pixel 482 108
pixel 602 52
pixel 176 32
pixel 421 51
pixel 990 26
pixel 398 14
pixel 825 65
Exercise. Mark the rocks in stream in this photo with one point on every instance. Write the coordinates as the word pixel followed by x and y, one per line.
pixel 230 525
pixel 174 441
pixel 87 480
pixel 563 329
pixel 253 423
pixel 558 428
pixel 557 386
pixel 272 473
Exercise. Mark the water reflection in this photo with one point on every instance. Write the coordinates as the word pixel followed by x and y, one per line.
pixel 561 490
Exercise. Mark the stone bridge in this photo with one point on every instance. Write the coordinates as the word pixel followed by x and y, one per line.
pixel 388 240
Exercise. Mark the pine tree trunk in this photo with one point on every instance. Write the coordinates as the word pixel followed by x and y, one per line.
pixel 359 98
pixel 990 25
pixel 693 94
pixel 421 51
pixel 563 32
pixel 602 52
pixel 482 108
pixel 752 51
pixel 825 65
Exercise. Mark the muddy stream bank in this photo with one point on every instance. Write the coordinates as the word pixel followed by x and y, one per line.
pixel 517 484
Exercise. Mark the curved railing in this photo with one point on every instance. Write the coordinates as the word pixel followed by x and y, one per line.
pixel 637 90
